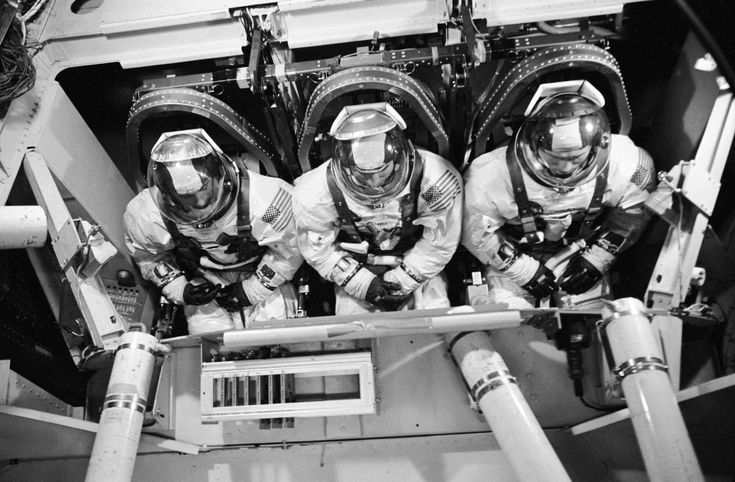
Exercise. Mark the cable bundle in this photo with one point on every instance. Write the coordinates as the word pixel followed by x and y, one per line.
pixel 17 72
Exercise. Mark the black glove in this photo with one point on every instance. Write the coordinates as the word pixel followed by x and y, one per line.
pixel 579 276
pixel 543 282
pixel 380 294
pixel 233 298
pixel 188 261
pixel 200 294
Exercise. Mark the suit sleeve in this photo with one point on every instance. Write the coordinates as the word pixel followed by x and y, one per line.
pixel 481 217
pixel 317 230
pixel 624 222
pixel 274 228
pixel 146 237
pixel 440 214
pixel 150 245
pixel 485 186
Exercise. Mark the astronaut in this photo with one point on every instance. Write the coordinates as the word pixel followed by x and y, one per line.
pixel 381 219
pixel 215 238
pixel 564 185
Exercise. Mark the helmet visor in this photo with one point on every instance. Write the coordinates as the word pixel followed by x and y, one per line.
pixel 189 191
pixel 374 180
pixel 373 167
pixel 564 146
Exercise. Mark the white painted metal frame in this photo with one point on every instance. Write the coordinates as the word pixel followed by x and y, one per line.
pixel 46 120
pixel 48 435
pixel 104 322
pixel 308 23
pixel 139 33
pixel 329 22
pixel 164 410
pixel 670 279
pixel 514 12
pixel 359 364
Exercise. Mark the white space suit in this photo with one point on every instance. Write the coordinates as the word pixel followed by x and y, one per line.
pixel 272 261
pixel 376 248
pixel 493 229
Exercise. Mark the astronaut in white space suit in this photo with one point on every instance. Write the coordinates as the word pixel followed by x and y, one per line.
pixel 564 182
pixel 381 219
pixel 215 238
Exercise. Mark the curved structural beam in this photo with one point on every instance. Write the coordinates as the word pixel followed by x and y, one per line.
pixel 354 79
pixel 182 99
pixel 582 58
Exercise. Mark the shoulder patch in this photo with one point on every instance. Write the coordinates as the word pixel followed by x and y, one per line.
pixel 279 212
pixel 643 177
pixel 440 194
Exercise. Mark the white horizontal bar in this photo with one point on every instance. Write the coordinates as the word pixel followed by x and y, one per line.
pixel 374 328
pixel 686 394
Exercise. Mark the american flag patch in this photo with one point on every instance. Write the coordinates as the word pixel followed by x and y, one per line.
pixel 279 213
pixel 644 171
pixel 440 194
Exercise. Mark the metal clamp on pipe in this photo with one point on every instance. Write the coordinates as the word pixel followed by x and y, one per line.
pixel 121 422
pixel 125 400
pixel 506 410
pixel 635 365
pixel 627 335
pixel 491 381
pixel 601 326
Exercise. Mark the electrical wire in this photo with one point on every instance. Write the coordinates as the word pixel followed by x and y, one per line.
pixel 31 12
pixel 17 72
pixel 595 407
pixel 680 250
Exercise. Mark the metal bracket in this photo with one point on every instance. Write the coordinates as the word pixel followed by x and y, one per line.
pixel 690 180
pixel 699 187
pixel 698 182
pixel 103 321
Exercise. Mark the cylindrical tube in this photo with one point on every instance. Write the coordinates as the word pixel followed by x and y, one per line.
pixel 118 435
pixel 659 427
pixel 515 427
pixel 22 227
pixel 372 328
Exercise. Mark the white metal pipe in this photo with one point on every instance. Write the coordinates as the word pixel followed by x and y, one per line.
pixel 22 227
pixel 118 435
pixel 659 427
pixel 373 328
pixel 515 427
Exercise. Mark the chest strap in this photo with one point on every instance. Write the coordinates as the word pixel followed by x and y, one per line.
pixel 247 246
pixel 526 214
pixel 409 207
